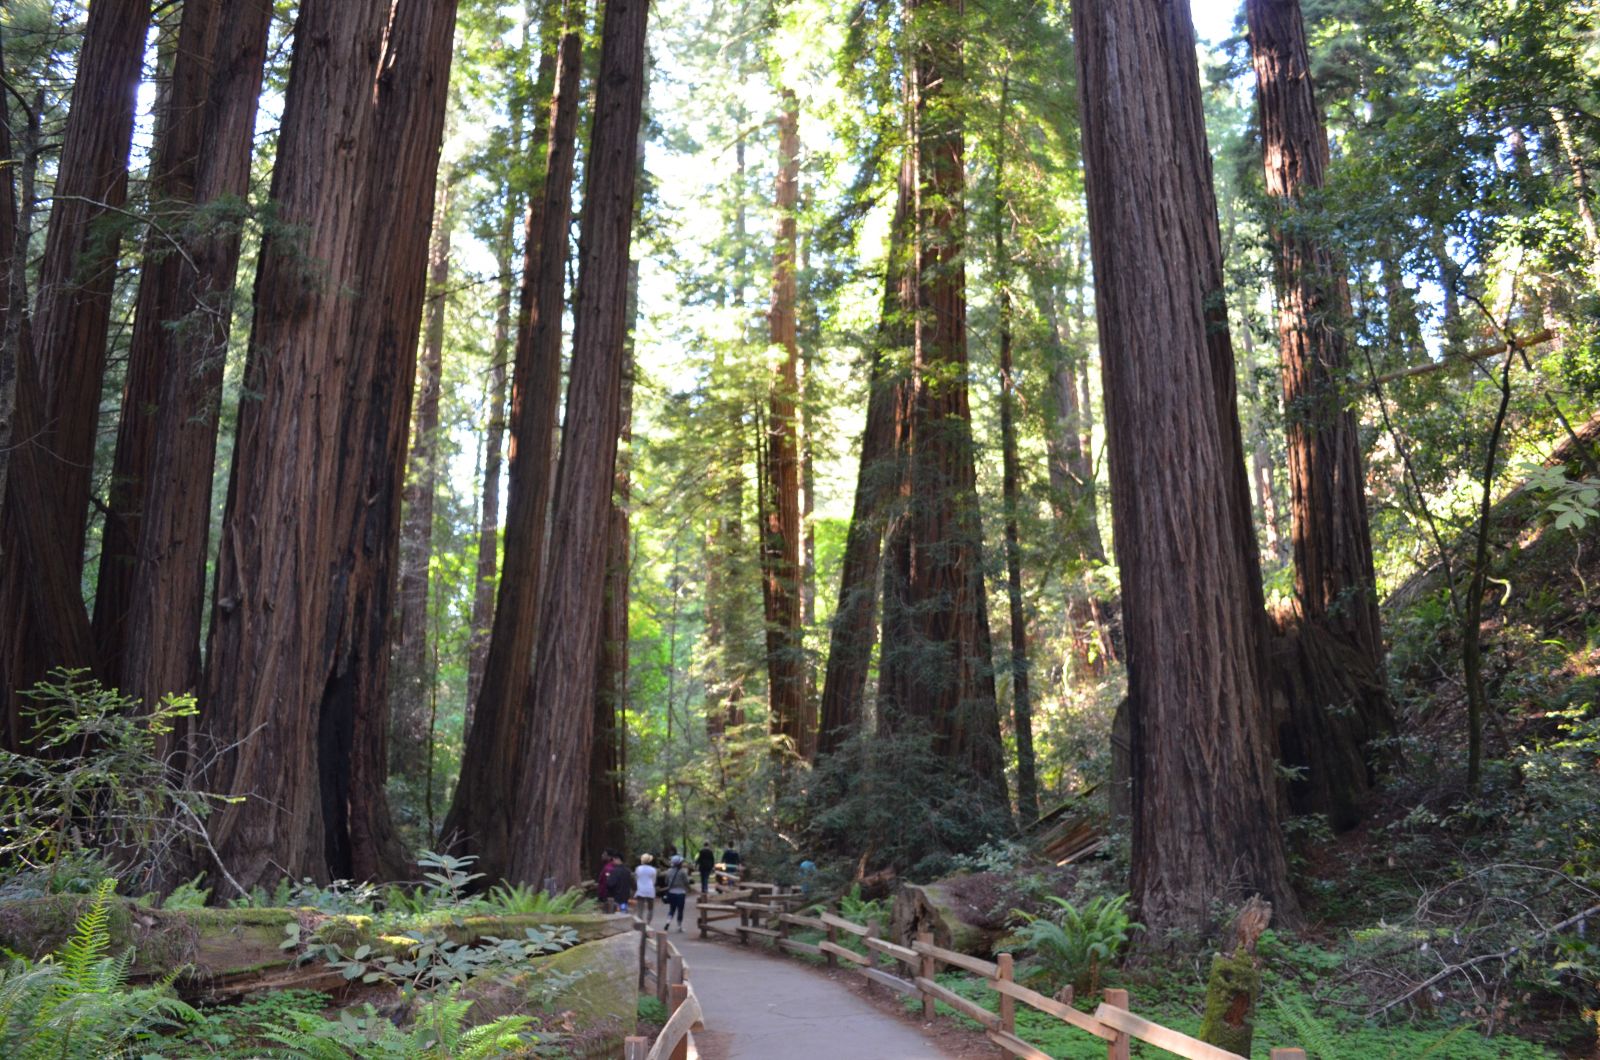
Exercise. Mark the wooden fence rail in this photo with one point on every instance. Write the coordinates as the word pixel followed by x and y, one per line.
pixel 664 973
pixel 770 914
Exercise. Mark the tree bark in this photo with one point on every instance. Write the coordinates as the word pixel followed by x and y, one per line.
pixel 413 669
pixel 844 685
pixel 1205 822
pixel 482 817
pixel 149 605
pixel 1335 586
pixel 553 801
pixel 45 508
pixel 780 539
pixel 942 673
pixel 297 670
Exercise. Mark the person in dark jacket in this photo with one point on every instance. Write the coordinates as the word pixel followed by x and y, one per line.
pixel 705 861
pixel 619 884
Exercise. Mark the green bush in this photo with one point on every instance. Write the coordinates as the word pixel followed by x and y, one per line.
pixel 440 1031
pixel 1072 945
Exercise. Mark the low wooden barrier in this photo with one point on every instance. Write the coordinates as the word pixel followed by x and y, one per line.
pixel 771 916
pixel 664 973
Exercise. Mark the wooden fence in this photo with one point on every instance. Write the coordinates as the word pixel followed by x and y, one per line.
pixel 664 973
pixel 769 912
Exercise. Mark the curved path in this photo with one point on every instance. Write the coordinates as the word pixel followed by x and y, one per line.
pixel 760 1006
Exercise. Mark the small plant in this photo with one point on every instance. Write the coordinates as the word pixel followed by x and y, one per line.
pixel 512 899
pixel 433 960
pixel 439 1031
pixel 861 910
pixel 1072 945
pixel 188 895
pixel 77 1002
pixel 237 1030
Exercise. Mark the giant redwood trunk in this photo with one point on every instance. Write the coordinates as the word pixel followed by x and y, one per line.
pixel 412 666
pixel 780 530
pixel 296 676
pixel 1205 821
pixel 482 817
pixel 1342 705
pixel 60 367
pixel 942 673
pixel 844 685
pixel 149 605
pixel 554 797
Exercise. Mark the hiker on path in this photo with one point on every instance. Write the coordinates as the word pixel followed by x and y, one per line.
pixel 705 861
pixel 644 883
pixel 677 891
pixel 619 884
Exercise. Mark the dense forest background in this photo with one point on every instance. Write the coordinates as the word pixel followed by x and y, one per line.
pixel 862 433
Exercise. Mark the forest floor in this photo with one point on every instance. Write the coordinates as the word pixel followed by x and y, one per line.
pixel 762 1006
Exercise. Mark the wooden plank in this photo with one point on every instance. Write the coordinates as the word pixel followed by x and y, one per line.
pixel 800 947
pixel 1008 1004
pixel 893 982
pixel 987 969
pixel 1050 1006
pixel 844 925
pixel 750 929
pixel 1017 1047
pixel 1160 1037
pixel 899 953
pixel 677 1029
pixel 959 1003
pixel 839 951
pixel 803 921
pixel 717 907
pixel 635 1048
pixel 928 970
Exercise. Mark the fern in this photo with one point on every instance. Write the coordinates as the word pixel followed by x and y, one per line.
pixel 1312 1034
pixel 1074 945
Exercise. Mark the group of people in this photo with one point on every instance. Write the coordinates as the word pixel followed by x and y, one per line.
pixel 644 883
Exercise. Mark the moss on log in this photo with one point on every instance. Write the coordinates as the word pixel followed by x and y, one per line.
pixel 937 908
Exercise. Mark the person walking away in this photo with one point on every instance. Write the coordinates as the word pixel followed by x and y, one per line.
pixel 677 891
pixel 601 891
pixel 705 861
pixel 644 887
pixel 619 884
pixel 730 864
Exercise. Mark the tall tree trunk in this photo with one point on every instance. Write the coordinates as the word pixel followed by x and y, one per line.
pixel 1581 190
pixel 1021 696
pixel 844 685
pixel 45 508
pixel 149 606
pixel 297 669
pixel 408 722
pixel 1205 821
pixel 489 514
pixel 483 818
pixel 1342 707
pixel 780 537
pixel 1071 467
pixel 943 672
pixel 554 796
pixel 607 827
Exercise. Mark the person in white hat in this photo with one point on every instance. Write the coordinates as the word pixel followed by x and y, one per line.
pixel 644 886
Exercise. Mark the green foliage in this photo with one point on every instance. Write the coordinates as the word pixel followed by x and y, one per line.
pixel 440 1030
pixel 98 779
pixel 1072 945
pixel 511 899
pixel 431 960
pixel 77 1002
pixel 651 1010
pixel 861 910
pixel 236 1031
pixel 188 895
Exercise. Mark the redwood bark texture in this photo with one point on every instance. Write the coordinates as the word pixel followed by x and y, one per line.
pixel 483 816
pixel 844 685
pixel 297 669
pixel 149 605
pixel 780 531
pixel 60 365
pixel 1341 707
pixel 1205 822
pixel 941 673
pixel 554 802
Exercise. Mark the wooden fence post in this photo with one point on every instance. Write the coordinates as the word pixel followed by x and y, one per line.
pixel 1118 1047
pixel 644 947
pixel 680 994
pixel 872 956
pixel 663 951
pixel 927 970
pixel 1008 1005
pixel 833 937
pixel 635 1048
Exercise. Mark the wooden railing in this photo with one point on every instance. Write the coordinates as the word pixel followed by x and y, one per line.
pixel 664 973
pixel 772 916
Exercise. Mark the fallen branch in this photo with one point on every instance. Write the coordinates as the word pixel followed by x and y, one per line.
pixel 1503 955
pixel 1537 338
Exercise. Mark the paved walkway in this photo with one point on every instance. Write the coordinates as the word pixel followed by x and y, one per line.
pixel 760 1006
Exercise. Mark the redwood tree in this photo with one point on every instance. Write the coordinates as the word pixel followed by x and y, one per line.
pixel 780 531
pixel 296 675
pixel 482 817
pixel 149 604
pixel 940 671
pixel 1205 820
pixel 1334 654
pixel 553 802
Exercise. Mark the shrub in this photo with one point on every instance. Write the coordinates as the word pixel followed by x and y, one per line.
pixel 1071 945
